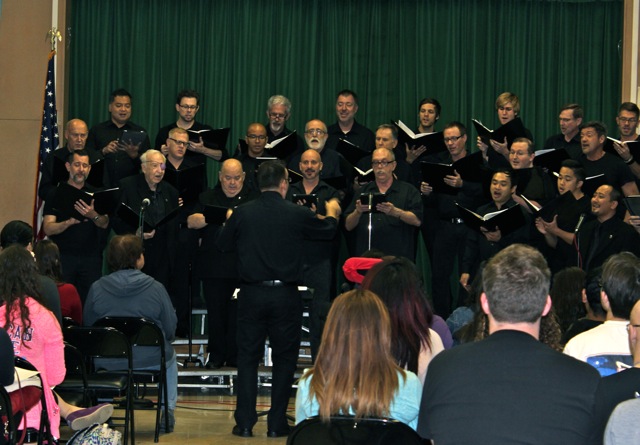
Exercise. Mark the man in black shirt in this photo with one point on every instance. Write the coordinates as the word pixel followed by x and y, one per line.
pixel 187 106
pixel 219 270
pixel 570 119
pixel 278 113
pixel 347 127
pixel 122 158
pixel 81 242
pixel 256 139
pixel 268 233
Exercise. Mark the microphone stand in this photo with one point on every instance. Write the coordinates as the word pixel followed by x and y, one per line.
pixel 370 226
pixel 190 358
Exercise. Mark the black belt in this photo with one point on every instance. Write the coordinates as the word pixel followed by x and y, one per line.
pixel 269 283
pixel 454 220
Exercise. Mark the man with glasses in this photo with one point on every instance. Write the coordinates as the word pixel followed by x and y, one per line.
pixel 315 136
pixel 122 157
pixel 391 225
pixel 570 119
pixel 81 241
pixel 606 347
pixel 162 200
pixel 451 233
pixel 256 139
pixel 627 121
pixel 187 106
pixel 177 145
pixel 278 113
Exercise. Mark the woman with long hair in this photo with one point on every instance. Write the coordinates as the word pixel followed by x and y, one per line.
pixel 355 373
pixel 48 260
pixel 413 343
pixel 33 329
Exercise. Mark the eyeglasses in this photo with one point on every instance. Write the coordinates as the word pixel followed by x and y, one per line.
pixel 277 115
pixel 384 163
pixel 629 326
pixel 258 137
pixel 628 120
pixel 189 107
pixel 180 143
pixel 451 139
pixel 154 165
pixel 315 132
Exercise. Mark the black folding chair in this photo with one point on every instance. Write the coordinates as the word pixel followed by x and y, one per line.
pixel 144 333
pixel 44 433
pixel 102 343
pixel 7 425
pixel 347 430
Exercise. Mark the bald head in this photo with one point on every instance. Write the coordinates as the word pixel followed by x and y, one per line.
pixel 634 322
pixel 75 133
pixel 231 177
pixel 256 139
pixel 310 164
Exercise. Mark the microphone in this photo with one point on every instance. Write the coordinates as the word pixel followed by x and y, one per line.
pixel 146 202
pixel 580 220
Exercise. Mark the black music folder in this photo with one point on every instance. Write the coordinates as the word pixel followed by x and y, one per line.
pixel 215 139
pixel 507 220
pixel 104 201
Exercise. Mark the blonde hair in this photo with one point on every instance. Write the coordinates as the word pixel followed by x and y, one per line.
pixel 355 370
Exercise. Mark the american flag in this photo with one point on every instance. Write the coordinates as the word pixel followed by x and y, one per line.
pixel 48 137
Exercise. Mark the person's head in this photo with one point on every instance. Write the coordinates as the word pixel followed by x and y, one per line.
pixel 429 112
pixel 383 162
pixel 387 136
pixel 120 106
pixel 627 119
pixel 508 107
pixel 78 166
pixel 18 280
pixel 256 139
pixel 604 202
pixel 76 133
pixel 570 119
pixel 591 296
pixel 397 282
pixel 632 328
pixel 592 137
pixel 346 106
pixel 516 285
pixel 571 176
pixel 17 232
pixel 356 337
pixel 310 164
pixel 521 154
pixel 153 165
pixel 177 143
pixel 48 259
pixel 125 252
pixel 455 138
pixel 278 112
pixel 315 134
pixel 502 187
pixel 566 294
pixel 231 177
pixel 620 284
pixel 187 105
pixel 273 176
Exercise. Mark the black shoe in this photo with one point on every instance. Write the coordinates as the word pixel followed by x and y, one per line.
pixel 279 433
pixel 242 432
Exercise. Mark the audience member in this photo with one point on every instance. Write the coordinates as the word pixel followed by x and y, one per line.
pixel 492 391
pixel 625 384
pixel 128 292
pixel 566 294
pixel 357 337
pixel 413 342
pixel 595 314
pixel 606 347
pixel 48 261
